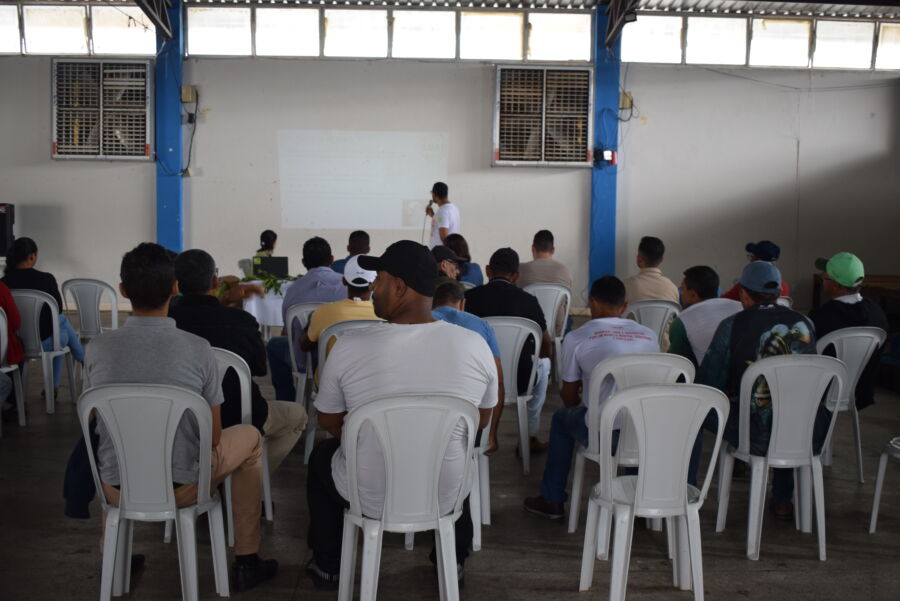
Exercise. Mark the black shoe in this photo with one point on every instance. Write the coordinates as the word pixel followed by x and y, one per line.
pixel 248 574
pixel 460 571
pixel 137 563
pixel 322 580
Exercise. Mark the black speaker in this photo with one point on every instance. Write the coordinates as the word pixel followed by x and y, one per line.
pixel 7 218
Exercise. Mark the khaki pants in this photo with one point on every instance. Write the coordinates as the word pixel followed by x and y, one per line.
pixel 284 427
pixel 238 453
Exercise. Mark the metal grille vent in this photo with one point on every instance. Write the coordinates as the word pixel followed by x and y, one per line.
pixel 543 116
pixel 101 109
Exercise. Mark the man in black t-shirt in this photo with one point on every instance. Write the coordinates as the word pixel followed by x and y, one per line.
pixel 842 277
pixel 501 298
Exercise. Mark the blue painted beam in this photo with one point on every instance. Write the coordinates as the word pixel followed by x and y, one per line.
pixel 602 259
pixel 169 184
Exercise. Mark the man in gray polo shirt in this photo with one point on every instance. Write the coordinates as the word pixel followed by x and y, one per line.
pixel 149 349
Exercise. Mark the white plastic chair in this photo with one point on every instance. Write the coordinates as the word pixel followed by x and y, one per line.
pixel 654 314
pixel 141 420
pixel 551 298
pixel 414 433
pixel 855 347
pixel 466 285
pixel 88 294
pixel 796 384
pixel 6 368
pixel 302 381
pixel 225 360
pixel 512 333
pixel 785 301
pixel 30 303
pixel 246 267
pixel 891 450
pixel 625 371
pixel 666 419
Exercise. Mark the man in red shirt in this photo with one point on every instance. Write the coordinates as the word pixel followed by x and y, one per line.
pixel 764 250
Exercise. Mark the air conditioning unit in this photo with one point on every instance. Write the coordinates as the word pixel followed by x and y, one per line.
pixel 102 109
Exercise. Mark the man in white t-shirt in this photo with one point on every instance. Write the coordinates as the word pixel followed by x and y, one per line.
pixel 445 220
pixel 692 330
pixel 606 335
pixel 410 354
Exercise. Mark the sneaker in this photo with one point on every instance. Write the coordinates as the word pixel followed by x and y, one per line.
pixel 322 580
pixel 541 506
pixel 783 510
pixel 247 574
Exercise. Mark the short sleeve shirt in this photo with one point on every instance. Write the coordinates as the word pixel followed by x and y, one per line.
pixel 446 216
pixel 469 322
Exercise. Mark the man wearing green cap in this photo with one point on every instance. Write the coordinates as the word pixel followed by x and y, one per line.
pixel 842 277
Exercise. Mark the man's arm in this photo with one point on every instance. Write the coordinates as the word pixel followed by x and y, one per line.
pixel 443 232
pixel 678 341
pixel 216 425
pixel 571 393
pixel 546 345
pixel 497 410
pixel 333 423
pixel 306 345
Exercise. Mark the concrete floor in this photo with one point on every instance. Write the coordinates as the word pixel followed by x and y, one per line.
pixel 44 555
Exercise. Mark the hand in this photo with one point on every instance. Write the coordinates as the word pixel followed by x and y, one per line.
pixel 240 292
pixel 429 211
pixel 492 444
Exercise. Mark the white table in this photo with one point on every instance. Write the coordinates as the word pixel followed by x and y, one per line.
pixel 267 310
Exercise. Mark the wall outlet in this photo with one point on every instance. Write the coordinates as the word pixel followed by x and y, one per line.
pixel 188 94
pixel 626 101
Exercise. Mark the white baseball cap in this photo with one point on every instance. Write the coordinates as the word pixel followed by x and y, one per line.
pixel 356 275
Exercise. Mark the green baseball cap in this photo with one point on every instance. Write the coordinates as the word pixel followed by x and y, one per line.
pixel 844 268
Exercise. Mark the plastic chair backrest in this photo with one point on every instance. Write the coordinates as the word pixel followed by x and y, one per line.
pixel 228 360
pixel 654 314
pixel 4 337
pixel 551 298
pixel 336 330
pixel 141 420
pixel 30 304
pixel 414 432
pixel 785 301
pixel 466 285
pixel 88 294
pixel 796 384
pixel 666 419
pixel 246 267
pixel 635 369
pixel 855 347
pixel 302 312
pixel 511 333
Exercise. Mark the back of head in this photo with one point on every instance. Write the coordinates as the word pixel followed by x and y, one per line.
pixel 543 241
pixel 267 240
pixel 358 243
pixel 504 261
pixel 458 245
pixel 447 292
pixel 316 253
pixel 440 190
pixel 652 249
pixel 608 290
pixel 147 274
pixel 762 282
pixel 195 270
pixel 19 251
pixel 703 280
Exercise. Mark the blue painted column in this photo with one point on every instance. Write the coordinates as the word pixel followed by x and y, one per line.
pixel 169 189
pixel 606 137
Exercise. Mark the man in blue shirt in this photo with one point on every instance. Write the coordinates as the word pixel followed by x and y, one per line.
pixel 448 304
pixel 319 285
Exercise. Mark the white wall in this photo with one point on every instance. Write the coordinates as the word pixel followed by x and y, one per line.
pixel 715 161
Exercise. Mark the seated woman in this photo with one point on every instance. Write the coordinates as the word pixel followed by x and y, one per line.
pixel 468 271
pixel 15 354
pixel 267 241
pixel 21 274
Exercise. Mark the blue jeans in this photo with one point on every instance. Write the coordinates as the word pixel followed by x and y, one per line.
pixel 67 337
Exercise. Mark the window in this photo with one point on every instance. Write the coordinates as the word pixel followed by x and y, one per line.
pixel 101 109
pixel 491 36
pixel 423 34
pixel 843 44
pixel 554 37
pixel 652 40
pixel 543 116
pixel 716 41
pixel 358 33
pixel 888 56
pixel 122 30
pixel 287 32
pixel 55 29
pixel 9 30
pixel 780 43
pixel 219 31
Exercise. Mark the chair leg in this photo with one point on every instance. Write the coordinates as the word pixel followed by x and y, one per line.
pixel 310 433
pixel 693 531
pixel 670 537
pixel 24 370
pixel 448 559
pixel 266 482
pixel 49 397
pixel 876 500
pixel 474 502
pixel 796 500
pixel 681 565
pixel 577 484
pixel 167 535
pixel 818 486
pixel 409 541
pixel 525 451
pixel 70 369
pixel 604 526
pixel 123 560
pixel 110 548
pixel 803 484
pixel 857 435
pixel 828 453
pixel 726 468
pixel 128 550
pixel 484 487
pixel 759 474
pixel 229 510
pixel 219 551
pixel 371 558
pixel 185 526
pixel 348 561
pixel 590 546
pixel 621 553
